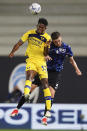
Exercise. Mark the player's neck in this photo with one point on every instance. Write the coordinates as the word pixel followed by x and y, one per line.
pixel 39 33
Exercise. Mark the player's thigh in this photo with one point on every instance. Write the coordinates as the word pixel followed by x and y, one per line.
pixel 42 71
pixel 54 79
pixel 31 69
pixel 30 74
pixel 30 65
pixel 44 83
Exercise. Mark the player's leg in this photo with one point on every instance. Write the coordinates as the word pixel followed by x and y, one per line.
pixel 30 74
pixel 31 71
pixel 44 119
pixel 35 84
pixel 25 97
pixel 52 90
pixel 23 100
pixel 43 74
pixel 54 80
pixel 47 96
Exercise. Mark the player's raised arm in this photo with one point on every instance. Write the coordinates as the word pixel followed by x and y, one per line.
pixel 72 61
pixel 46 48
pixel 15 48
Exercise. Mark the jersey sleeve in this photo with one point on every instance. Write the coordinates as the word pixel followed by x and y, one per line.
pixel 69 51
pixel 24 38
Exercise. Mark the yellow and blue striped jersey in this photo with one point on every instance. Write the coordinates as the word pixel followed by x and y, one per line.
pixel 36 44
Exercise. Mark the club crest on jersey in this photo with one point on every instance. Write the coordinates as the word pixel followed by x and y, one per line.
pixel 42 38
pixel 62 50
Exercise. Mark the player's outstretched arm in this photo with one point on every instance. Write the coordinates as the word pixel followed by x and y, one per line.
pixel 15 48
pixel 72 61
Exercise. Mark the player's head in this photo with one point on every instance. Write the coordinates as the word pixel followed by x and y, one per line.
pixel 42 24
pixel 56 38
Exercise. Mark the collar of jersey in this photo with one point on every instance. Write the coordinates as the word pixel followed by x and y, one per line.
pixel 38 33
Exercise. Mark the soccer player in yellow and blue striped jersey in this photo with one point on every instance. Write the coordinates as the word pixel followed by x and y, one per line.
pixel 38 46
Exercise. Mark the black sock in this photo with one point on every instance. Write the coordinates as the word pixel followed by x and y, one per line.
pixel 51 106
pixel 52 101
pixel 21 102
pixel 45 110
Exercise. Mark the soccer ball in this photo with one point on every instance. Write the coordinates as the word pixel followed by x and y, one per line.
pixel 35 8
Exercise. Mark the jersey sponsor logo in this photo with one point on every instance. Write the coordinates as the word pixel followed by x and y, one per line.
pixel 35 42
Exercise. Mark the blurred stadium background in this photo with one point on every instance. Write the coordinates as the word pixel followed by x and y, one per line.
pixel 69 17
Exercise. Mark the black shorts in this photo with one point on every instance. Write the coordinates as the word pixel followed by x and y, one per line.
pixel 54 79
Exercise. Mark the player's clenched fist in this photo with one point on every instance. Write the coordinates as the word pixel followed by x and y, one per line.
pixel 11 54
pixel 48 43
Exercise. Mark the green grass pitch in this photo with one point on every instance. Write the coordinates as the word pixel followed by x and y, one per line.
pixel 36 130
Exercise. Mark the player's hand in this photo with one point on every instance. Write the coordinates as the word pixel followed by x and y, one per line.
pixel 48 58
pixel 11 54
pixel 48 43
pixel 78 72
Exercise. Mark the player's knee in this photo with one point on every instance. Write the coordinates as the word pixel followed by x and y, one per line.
pixel 44 83
pixel 29 76
pixel 45 86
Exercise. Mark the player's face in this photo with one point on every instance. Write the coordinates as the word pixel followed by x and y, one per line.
pixel 58 41
pixel 41 28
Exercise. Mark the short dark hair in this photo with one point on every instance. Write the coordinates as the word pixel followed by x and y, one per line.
pixel 55 35
pixel 43 21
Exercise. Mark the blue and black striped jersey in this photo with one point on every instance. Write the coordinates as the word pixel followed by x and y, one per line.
pixel 58 55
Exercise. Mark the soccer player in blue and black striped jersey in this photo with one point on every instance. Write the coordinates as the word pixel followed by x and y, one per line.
pixel 57 54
